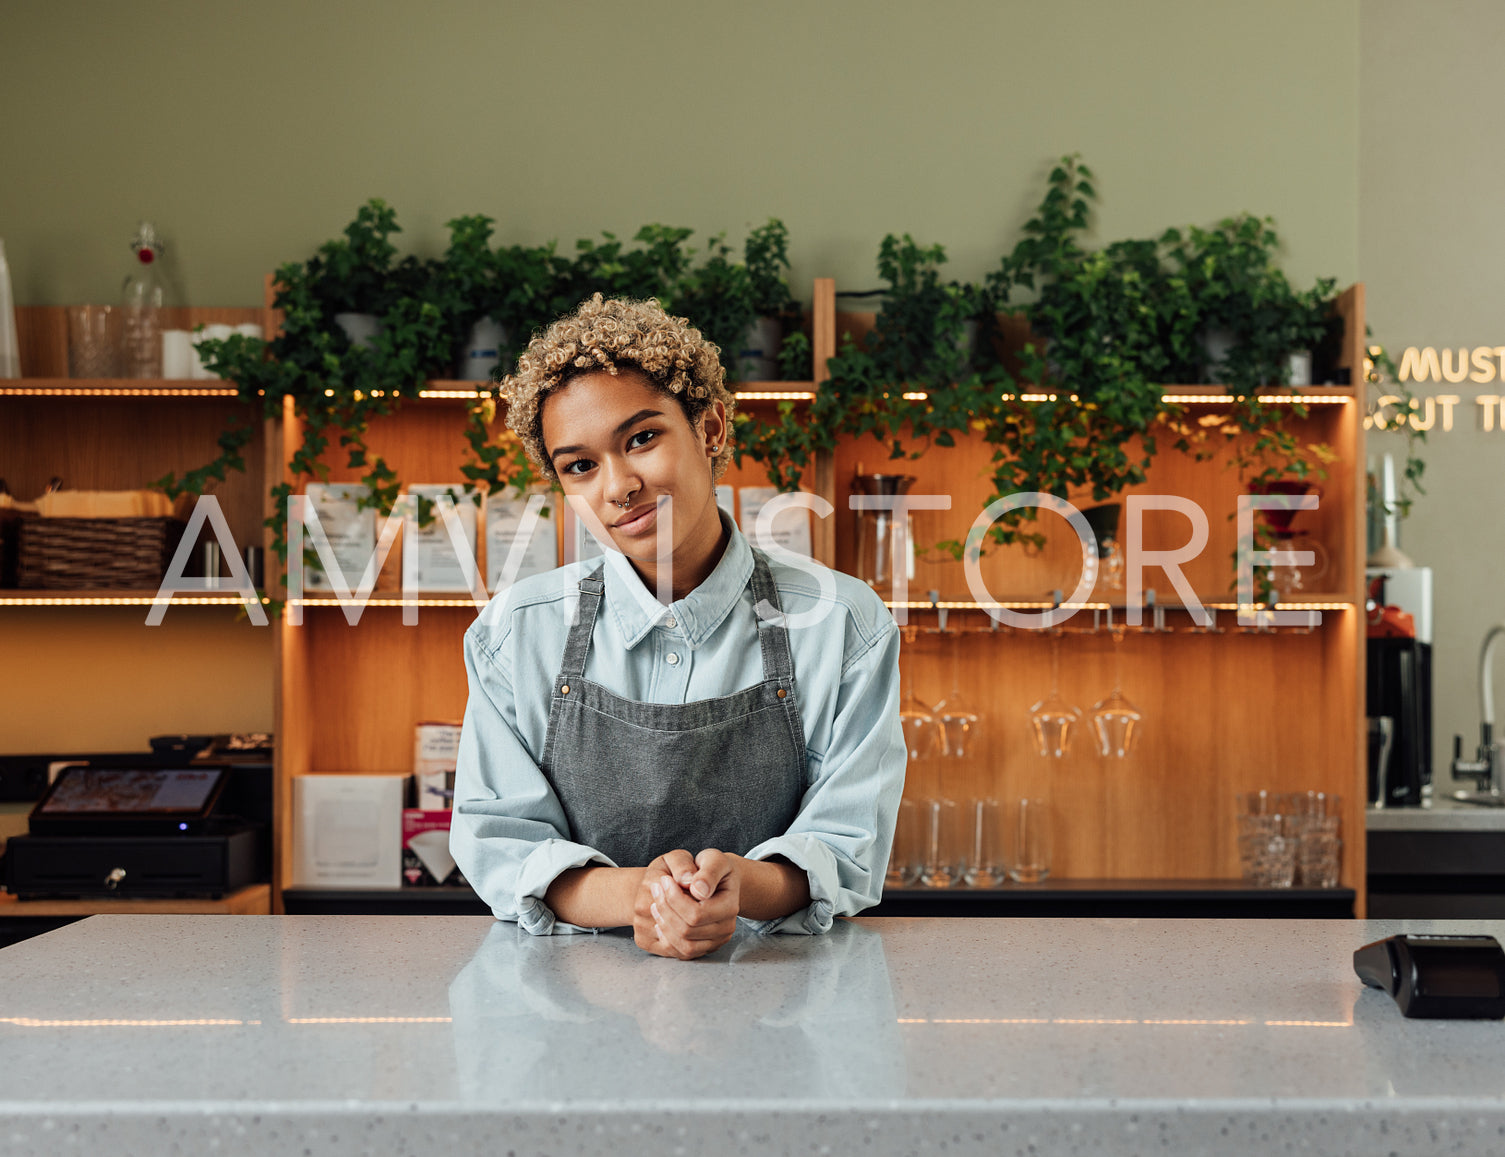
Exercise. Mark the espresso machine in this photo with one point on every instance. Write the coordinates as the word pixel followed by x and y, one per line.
pixel 1398 676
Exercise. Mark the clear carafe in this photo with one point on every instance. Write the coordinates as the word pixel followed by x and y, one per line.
pixel 141 308
pixel 876 534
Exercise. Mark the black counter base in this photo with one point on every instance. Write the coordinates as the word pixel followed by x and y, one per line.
pixel 1191 899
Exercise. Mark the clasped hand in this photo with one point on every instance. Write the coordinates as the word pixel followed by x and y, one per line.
pixel 687 905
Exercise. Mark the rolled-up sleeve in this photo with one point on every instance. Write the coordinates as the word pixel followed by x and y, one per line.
pixel 508 834
pixel 844 830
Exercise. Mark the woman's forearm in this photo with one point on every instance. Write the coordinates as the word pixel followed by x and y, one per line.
pixel 772 889
pixel 597 897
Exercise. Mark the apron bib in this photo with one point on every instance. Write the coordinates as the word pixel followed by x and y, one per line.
pixel 639 779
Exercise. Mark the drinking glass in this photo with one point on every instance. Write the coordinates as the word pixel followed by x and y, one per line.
pixel 945 844
pixel 1114 718
pixel 985 866
pixel 906 862
pixel 923 735
pixel 1318 856
pixel 1027 839
pixel 1052 719
pixel 957 718
pixel 93 341
pixel 1268 860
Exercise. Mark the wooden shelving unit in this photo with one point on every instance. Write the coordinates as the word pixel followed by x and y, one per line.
pixel 347 700
pixel 1225 711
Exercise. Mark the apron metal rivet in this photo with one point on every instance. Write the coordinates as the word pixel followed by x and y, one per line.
pixel 565 690
pixel 782 692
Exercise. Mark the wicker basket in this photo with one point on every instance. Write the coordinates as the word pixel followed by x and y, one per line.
pixel 94 553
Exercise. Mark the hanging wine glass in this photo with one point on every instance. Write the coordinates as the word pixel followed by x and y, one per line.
pixel 922 731
pixel 958 720
pixel 1115 719
pixel 1052 719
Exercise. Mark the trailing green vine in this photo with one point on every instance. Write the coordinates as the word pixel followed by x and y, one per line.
pixel 424 311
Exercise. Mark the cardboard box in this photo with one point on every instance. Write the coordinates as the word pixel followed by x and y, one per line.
pixel 426 862
pixel 436 752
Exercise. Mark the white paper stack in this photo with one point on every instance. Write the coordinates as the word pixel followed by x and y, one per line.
pixel 351 531
pixel 504 517
pixel 791 527
pixel 430 561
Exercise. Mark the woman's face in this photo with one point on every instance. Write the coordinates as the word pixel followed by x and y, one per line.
pixel 619 438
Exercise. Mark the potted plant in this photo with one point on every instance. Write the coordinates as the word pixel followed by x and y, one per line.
pixel 1251 320
pixel 766 256
pixel 353 279
pixel 465 284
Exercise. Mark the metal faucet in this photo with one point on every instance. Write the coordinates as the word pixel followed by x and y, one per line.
pixel 1481 769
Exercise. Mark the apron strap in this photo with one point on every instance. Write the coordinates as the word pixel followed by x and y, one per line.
pixel 591 589
pixel 778 663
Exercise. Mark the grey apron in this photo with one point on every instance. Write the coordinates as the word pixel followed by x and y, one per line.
pixel 638 779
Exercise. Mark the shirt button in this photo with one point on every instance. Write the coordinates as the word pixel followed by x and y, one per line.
pixel 671 658
pixel 671 622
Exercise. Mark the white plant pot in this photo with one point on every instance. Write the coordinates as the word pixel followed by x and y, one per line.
pixel 758 356
pixel 966 342
pixel 483 352
pixel 1216 344
pixel 1300 372
pixel 360 328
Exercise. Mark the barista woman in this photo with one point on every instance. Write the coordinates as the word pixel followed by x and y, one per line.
pixel 672 766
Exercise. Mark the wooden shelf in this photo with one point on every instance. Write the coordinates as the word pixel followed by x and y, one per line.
pixel 252 900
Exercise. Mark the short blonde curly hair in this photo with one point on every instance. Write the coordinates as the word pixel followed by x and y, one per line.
pixel 612 335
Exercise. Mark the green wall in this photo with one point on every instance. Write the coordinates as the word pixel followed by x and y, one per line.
pixel 250 133
pixel 1431 239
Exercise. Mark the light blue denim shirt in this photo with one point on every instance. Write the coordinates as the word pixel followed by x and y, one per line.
pixel 510 836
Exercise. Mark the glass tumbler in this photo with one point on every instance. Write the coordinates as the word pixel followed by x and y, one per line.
pixel 946 844
pixel 985 866
pixel 1026 829
pixel 1318 858
pixel 1268 861
pixel 906 862
pixel 93 341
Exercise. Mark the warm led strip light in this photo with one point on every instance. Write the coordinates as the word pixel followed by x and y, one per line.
pixel 776 395
pixel 1269 399
pixel 1190 399
pixel 33 1022
pixel 118 391
pixel 369 1020
pixel 395 602
pixel 121 600
pixel 916 605
pixel 1118 1020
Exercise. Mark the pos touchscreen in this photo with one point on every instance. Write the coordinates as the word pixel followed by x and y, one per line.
pixel 113 800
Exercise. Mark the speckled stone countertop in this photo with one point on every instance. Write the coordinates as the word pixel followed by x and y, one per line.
pixel 316 1035
pixel 1445 815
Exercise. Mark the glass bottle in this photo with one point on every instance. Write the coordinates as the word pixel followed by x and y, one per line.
pixel 10 350
pixel 141 308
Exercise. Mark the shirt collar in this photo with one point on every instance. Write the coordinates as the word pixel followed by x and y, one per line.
pixel 699 613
